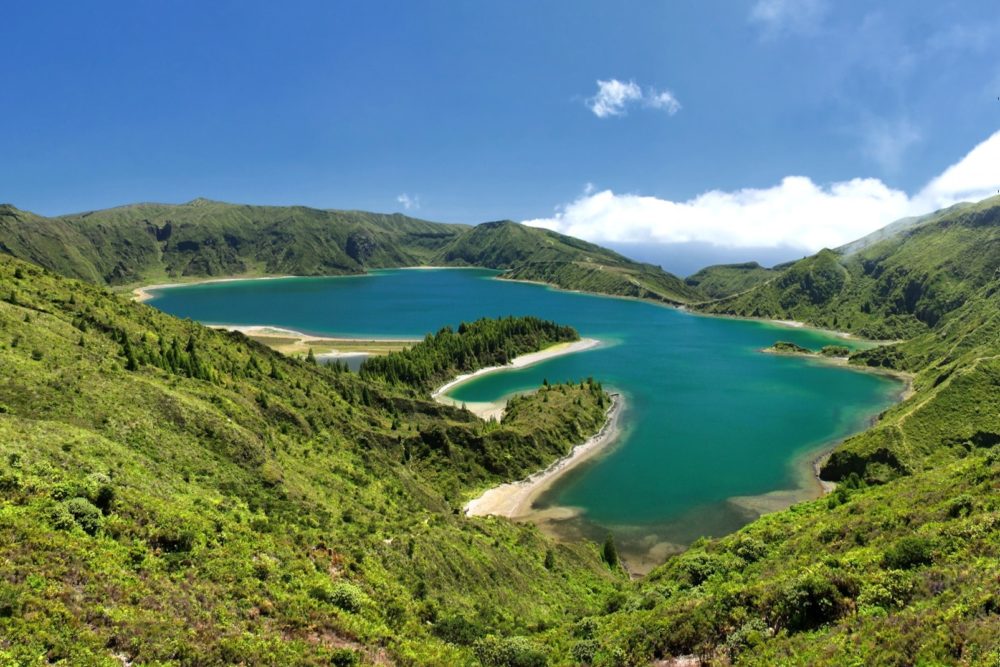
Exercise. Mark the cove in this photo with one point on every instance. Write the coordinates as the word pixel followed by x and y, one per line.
pixel 713 430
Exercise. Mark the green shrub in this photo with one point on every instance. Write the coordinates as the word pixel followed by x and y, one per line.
pixel 101 492
pixel 344 657
pixel 10 600
pixel 85 514
pixel 748 635
pixel 808 602
pixel 960 506
pixel 458 629
pixel 509 652
pixel 60 518
pixel 342 595
pixel 699 566
pixel 749 548
pixel 892 589
pixel 908 552
pixel 584 651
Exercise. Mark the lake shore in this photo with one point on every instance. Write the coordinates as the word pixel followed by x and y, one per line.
pixel 514 500
pixel 144 292
pixel 296 343
pixel 844 362
pixel 494 409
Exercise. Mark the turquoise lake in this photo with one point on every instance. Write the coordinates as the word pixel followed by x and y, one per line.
pixel 709 418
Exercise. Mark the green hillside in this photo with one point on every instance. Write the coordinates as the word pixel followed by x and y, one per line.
pixel 540 255
pixel 897 567
pixel 898 287
pixel 722 280
pixel 145 243
pixel 172 494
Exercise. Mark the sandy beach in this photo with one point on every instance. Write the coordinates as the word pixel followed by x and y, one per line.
pixel 494 409
pixel 296 343
pixel 145 292
pixel 514 499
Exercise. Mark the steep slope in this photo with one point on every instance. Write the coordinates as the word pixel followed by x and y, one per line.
pixel 897 567
pixel 174 494
pixel 894 229
pixel 540 255
pixel 895 288
pixel 957 405
pixel 205 238
pixel 722 280
pixel 151 242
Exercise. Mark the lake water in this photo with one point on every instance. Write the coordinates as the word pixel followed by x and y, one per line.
pixel 709 420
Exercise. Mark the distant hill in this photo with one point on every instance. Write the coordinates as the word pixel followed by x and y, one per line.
pixel 153 242
pixel 722 280
pixel 528 253
pixel 896 285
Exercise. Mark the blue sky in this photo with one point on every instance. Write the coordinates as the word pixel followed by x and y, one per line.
pixel 480 110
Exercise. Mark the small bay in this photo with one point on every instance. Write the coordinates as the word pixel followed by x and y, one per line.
pixel 712 427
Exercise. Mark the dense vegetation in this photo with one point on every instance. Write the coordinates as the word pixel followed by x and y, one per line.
pixel 897 285
pixel 544 256
pixel 144 243
pixel 475 345
pixel 899 565
pixel 171 494
pixel 899 574
pixel 722 280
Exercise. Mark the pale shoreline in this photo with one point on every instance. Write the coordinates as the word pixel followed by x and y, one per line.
pixel 487 410
pixel 144 292
pixel 298 344
pixel 514 500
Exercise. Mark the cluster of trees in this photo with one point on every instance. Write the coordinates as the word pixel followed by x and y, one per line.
pixel 485 342
pixel 168 356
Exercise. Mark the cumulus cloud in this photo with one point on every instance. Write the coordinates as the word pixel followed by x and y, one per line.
pixel 409 202
pixel 788 16
pixel 614 97
pixel 795 213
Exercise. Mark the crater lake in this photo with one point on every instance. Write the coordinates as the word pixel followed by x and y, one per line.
pixel 713 432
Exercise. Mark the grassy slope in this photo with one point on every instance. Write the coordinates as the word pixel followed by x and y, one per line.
pixel 899 565
pixel 900 574
pixel 545 256
pixel 273 513
pixel 896 288
pixel 722 280
pixel 153 242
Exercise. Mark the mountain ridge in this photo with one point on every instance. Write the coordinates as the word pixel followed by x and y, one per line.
pixel 152 242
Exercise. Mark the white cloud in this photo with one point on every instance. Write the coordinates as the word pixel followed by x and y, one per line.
pixel 663 100
pixel 974 177
pixel 796 212
pixel 409 202
pixel 788 16
pixel 614 97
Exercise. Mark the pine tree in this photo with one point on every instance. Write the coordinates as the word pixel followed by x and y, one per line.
pixel 131 363
pixel 609 554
